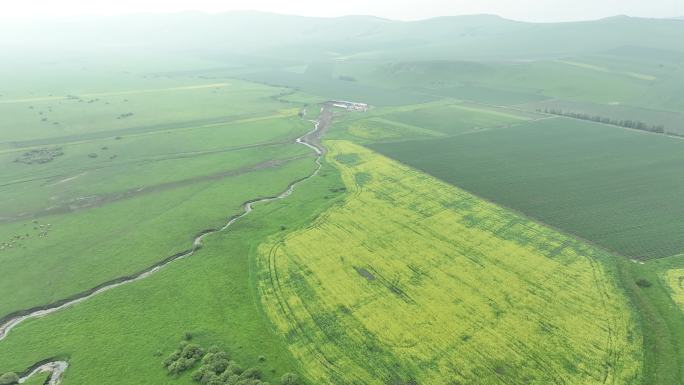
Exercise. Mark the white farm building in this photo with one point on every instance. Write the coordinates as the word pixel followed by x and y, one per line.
pixel 351 106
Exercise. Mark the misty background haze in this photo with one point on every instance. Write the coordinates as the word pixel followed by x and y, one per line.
pixel 523 10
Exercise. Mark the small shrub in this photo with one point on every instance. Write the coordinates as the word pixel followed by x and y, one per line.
pixel 184 358
pixel 234 368
pixel 9 379
pixel 289 379
pixel 192 351
pixel 203 375
pixel 643 283
pixel 253 373
pixel 214 349
pixel 172 358
pixel 229 378
pixel 216 362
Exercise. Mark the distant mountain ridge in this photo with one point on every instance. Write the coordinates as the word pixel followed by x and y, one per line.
pixel 286 37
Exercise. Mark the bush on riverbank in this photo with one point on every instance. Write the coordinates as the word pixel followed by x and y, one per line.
pixel 9 379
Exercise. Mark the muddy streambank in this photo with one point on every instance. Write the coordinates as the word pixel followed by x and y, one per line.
pixel 56 368
pixel 311 139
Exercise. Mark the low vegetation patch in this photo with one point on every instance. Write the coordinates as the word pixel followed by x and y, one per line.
pixel 379 129
pixel 455 119
pixel 184 358
pixel 40 155
pixel 126 115
pixel 10 378
pixel 216 367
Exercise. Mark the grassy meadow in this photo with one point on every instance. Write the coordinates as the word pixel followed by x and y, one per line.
pixel 123 335
pixel 71 220
pixel 410 280
pixel 649 286
pixel 143 192
pixel 149 105
pixel 421 121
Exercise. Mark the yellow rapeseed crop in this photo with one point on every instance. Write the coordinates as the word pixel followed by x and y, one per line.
pixel 675 279
pixel 410 280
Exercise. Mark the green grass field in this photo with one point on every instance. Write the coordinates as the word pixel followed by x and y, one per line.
pixel 140 207
pixel 429 120
pixel 143 193
pixel 123 335
pixel 164 187
pixel 382 129
pixel 37 380
pixel 410 279
pixel 152 105
pixel 661 319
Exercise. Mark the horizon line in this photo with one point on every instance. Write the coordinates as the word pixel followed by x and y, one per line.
pixel 236 11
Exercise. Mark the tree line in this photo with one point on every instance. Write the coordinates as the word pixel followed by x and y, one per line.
pixel 633 124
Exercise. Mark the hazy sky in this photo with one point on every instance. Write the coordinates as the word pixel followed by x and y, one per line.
pixel 534 10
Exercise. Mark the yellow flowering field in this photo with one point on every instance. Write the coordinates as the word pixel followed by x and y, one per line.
pixel 409 280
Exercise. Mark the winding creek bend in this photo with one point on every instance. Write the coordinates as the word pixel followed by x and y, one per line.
pixel 55 367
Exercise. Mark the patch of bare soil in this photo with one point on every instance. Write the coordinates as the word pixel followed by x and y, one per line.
pixel 365 273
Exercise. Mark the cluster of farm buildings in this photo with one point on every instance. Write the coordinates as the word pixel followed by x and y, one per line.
pixel 351 106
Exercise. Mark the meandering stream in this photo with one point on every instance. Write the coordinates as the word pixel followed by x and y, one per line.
pixel 56 368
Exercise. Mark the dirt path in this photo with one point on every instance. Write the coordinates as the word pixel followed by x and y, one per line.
pixel 311 139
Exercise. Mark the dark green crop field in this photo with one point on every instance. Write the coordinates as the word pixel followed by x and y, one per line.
pixel 617 188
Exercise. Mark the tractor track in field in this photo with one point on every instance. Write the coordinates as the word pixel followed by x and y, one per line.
pixel 56 367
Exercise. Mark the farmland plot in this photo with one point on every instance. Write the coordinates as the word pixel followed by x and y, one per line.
pixel 617 188
pixel 410 280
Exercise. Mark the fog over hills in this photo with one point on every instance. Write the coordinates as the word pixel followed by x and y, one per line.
pixel 344 38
